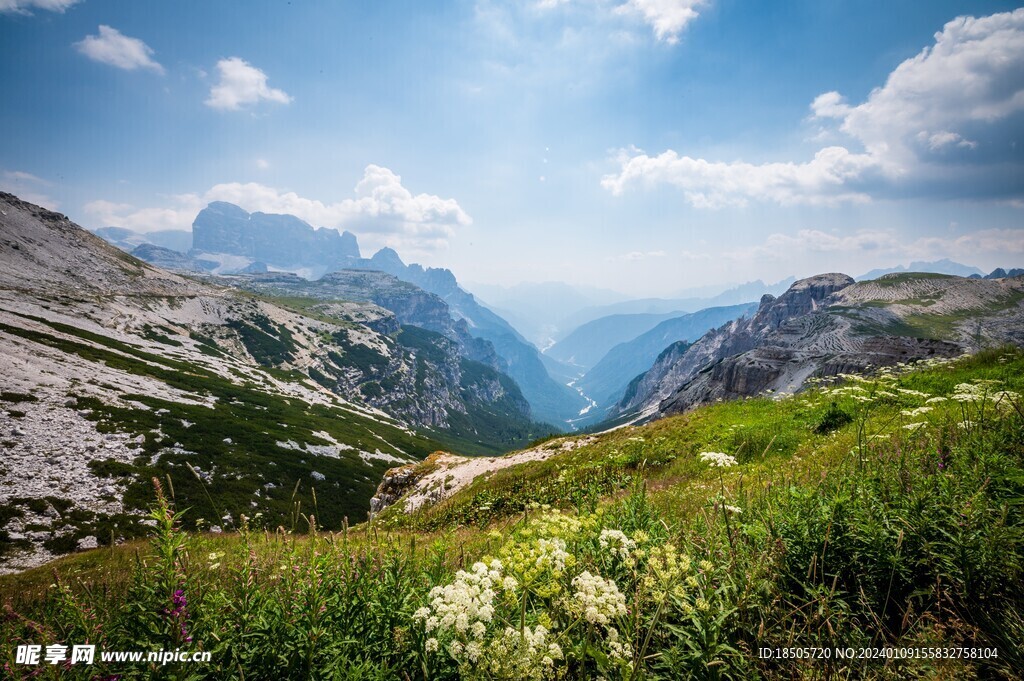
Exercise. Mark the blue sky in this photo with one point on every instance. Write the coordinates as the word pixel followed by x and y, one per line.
pixel 645 146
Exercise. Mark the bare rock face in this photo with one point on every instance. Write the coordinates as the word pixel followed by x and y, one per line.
pixel 281 240
pixel 828 324
pixel 397 483
pixel 674 369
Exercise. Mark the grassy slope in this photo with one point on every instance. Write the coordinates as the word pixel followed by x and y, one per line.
pixel 849 531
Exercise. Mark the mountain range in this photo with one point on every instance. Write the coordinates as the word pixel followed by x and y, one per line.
pixel 826 325
pixel 113 372
pixel 229 240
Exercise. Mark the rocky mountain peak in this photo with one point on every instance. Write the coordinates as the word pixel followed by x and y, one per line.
pixel 805 295
pixel 387 259
pixel 280 240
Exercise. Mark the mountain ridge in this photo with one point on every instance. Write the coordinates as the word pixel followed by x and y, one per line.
pixel 829 324
pixel 113 371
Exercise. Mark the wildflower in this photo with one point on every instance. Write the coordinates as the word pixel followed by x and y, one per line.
pixel 525 655
pixel 597 600
pixel 914 393
pixel 718 459
pixel 463 603
pixel 915 412
pixel 666 568
pixel 617 650
pixel 618 544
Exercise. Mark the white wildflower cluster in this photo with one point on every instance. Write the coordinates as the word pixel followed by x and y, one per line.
pixel 551 554
pixel 917 411
pixel 463 609
pixel 617 650
pixel 598 600
pixel 912 393
pixel 1004 399
pixel 525 655
pixel 718 459
pixel 984 390
pixel 618 544
pixel 969 393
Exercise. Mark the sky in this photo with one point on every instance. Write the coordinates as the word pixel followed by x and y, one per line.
pixel 643 146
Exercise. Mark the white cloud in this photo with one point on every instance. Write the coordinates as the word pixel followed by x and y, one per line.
pixel 830 105
pixel 112 47
pixel 971 76
pixel 27 187
pixel 944 139
pixel 382 210
pixel 964 93
pixel 242 83
pixel 26 6
pixel 708 184
pixel 668 18
pixel 262 163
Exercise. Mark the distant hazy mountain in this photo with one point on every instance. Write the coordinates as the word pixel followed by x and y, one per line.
pixel 1000 273
pixel 173 239
pixel 539 310
pixel 587 344
pixel 606 382
pixel 281 241
pixel 737 295
pixel 170 259
pixel 944 266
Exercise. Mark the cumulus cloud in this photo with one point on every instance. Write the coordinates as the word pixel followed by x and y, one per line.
pixel 963 94
pixel 240 84
pixel 382 209
pixel 970 78
pixel 708 184
pixel 668 18
pixel 112 47
pixel 26 6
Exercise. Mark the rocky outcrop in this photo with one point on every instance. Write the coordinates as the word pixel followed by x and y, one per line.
pixel 441 474
pixel 283 241
pixel 171 260
pixel 827 325
pixel 674 369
